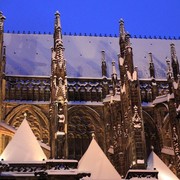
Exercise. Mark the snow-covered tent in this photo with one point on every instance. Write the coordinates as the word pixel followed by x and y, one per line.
pixel 95 161
pixel 23 147
pixel 164 172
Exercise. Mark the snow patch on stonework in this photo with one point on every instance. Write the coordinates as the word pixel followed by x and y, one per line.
pixel 135 178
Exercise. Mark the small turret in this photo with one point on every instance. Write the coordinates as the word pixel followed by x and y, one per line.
pixel 127 40
pixel 3 63
pixel 152 76
pixel 169 75
pixel 129 54
pixel 151 66
pixel 114 77
pixel 174 62
pixel 103 66
pixel 169 70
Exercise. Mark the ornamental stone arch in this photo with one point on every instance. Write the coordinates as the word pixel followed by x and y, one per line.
pixel 152 134
pixel 161 111
pixel 82 122
pixel 163 123
pixel 37 120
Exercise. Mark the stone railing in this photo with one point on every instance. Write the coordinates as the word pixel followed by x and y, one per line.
pixel 31 88
pixel 27 88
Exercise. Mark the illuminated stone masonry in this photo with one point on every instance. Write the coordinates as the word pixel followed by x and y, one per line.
pixel 124 90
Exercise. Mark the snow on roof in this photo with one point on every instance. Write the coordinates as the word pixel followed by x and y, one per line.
pixel 141 174
pixel 111 98
pixel 17 174
pixel 163 98
pixel 62 160
pixel 167 150
pixel 62 172
pixel 164 172
pixel 23 147
pixel 30 54
pixel 85 103
pixel 6 126
pixel 147 104
pixel 141 178
pixel 95 161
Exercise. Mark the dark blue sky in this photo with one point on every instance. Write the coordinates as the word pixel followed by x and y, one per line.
pixel 142 17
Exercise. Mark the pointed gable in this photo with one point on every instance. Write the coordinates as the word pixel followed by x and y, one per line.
pixel 164 172
pixel 23 146
pixel 95 161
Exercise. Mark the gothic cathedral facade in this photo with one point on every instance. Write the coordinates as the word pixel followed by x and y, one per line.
pixel 128 115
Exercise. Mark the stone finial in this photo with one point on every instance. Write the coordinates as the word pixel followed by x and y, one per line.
pixel 57 13
pixel 152 147
pixel 93 135
pixel 25 115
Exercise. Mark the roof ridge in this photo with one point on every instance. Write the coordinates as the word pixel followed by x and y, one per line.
pixel 98 35
pixel 27 32
pixel 155 37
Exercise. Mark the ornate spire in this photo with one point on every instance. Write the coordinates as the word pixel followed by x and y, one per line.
pixel 103 66
pixel 58 61
pixel 2 62
pixel 58 94
pixel 58 23
pixel 122 35
pixel 57 30
pixel 151 66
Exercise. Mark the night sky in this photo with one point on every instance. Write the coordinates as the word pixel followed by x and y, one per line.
pixel 142 17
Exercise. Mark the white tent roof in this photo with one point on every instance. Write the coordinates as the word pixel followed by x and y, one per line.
pixel 23 147
pixel 164 172
pixel 95 161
